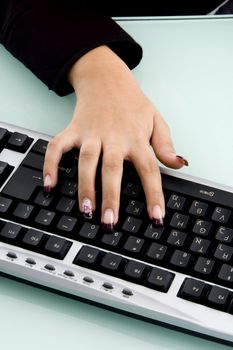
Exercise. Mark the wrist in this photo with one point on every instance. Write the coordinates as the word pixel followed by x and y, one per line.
pixel 97 65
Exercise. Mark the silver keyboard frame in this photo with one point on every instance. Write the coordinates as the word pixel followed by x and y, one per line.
pixel 152 305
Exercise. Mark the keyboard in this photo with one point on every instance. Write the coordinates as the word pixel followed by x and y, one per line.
pixel 179 275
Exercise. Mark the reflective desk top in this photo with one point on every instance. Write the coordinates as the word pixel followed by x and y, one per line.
pixel 187 72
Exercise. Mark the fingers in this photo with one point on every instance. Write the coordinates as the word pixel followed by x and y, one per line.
pixel 112 169
pixel 60 144
pixel 145 163
pixel 88 161
pixel 162 144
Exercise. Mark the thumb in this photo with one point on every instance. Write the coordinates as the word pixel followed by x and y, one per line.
pixel 162 144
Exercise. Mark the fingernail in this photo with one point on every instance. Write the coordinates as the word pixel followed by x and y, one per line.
pixel 87 210
pixel 157 215
pixel 184 161
pixel 47 183
pixel 108 220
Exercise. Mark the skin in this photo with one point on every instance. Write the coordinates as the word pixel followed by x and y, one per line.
pixel 112 116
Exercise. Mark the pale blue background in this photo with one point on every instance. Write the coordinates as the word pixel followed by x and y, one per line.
pixel 187 72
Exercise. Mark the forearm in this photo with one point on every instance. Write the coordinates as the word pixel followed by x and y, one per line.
pixel 49 37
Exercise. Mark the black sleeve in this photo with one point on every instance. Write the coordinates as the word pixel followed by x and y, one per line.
pixel 48 36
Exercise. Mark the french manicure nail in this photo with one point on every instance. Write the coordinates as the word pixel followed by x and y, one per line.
pixel 108 220
pixel 47 184
pixel 87 209
pixel 185 162
pixel 157 215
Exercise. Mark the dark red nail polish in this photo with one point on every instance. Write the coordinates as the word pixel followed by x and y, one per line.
pixel 108 227
pixel 47 189
pixel 185 162
pixel 158 222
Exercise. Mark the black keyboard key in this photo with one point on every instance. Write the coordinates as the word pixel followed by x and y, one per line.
pixel 160 279
pixel 180 259
pixel 193 290
pixel 10 232
pixel 225 274
pixel 3 135
pixel 198 208
pixel 200 245
pixel 135 271
pixel 19 142
pixel 132 190
pixel 204 267
pixel 40 146
pixel 69 188
pixel 23 211
pixel 132 224
pixel 44 217
pixel 3 167
pixel 223 252
pixel 177 238
pixel 33 238
pixel 89 231
pixel 202 227
pixel 57 247
pixel 156 252
pixel 111 239
pixel 224 234
pixel 176 202
pixel 135 208
pixel 5 204
pixel 153 232
pixel 221 215
pixel 68 171
pixel 179 221
pixel 66 205
pixel 43 199
pixel 5 170
pixel 88 257
pixel 219 298
pixel 67 223
pixel 33 160
pixel 133 245
pixel 23 183
pixel 111 263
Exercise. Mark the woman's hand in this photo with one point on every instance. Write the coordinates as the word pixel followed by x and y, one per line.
pixel 114 117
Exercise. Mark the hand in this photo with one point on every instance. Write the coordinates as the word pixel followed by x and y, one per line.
pixel 114 117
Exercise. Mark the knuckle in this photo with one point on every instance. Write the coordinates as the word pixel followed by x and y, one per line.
pixel 112 161
pixel 54 144
pixel 88 152
pixel 150 167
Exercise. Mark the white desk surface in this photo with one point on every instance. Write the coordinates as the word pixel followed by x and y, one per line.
pixel 187 72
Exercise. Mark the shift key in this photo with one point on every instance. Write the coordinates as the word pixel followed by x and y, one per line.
pixel 23 183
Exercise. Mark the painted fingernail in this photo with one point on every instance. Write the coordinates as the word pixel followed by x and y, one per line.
pixel 87 210
pixel 108 220
pixel 47 184
pixel 157 216
pixel 185 162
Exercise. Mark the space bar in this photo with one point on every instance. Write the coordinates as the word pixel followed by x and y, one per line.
pixel 23 183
